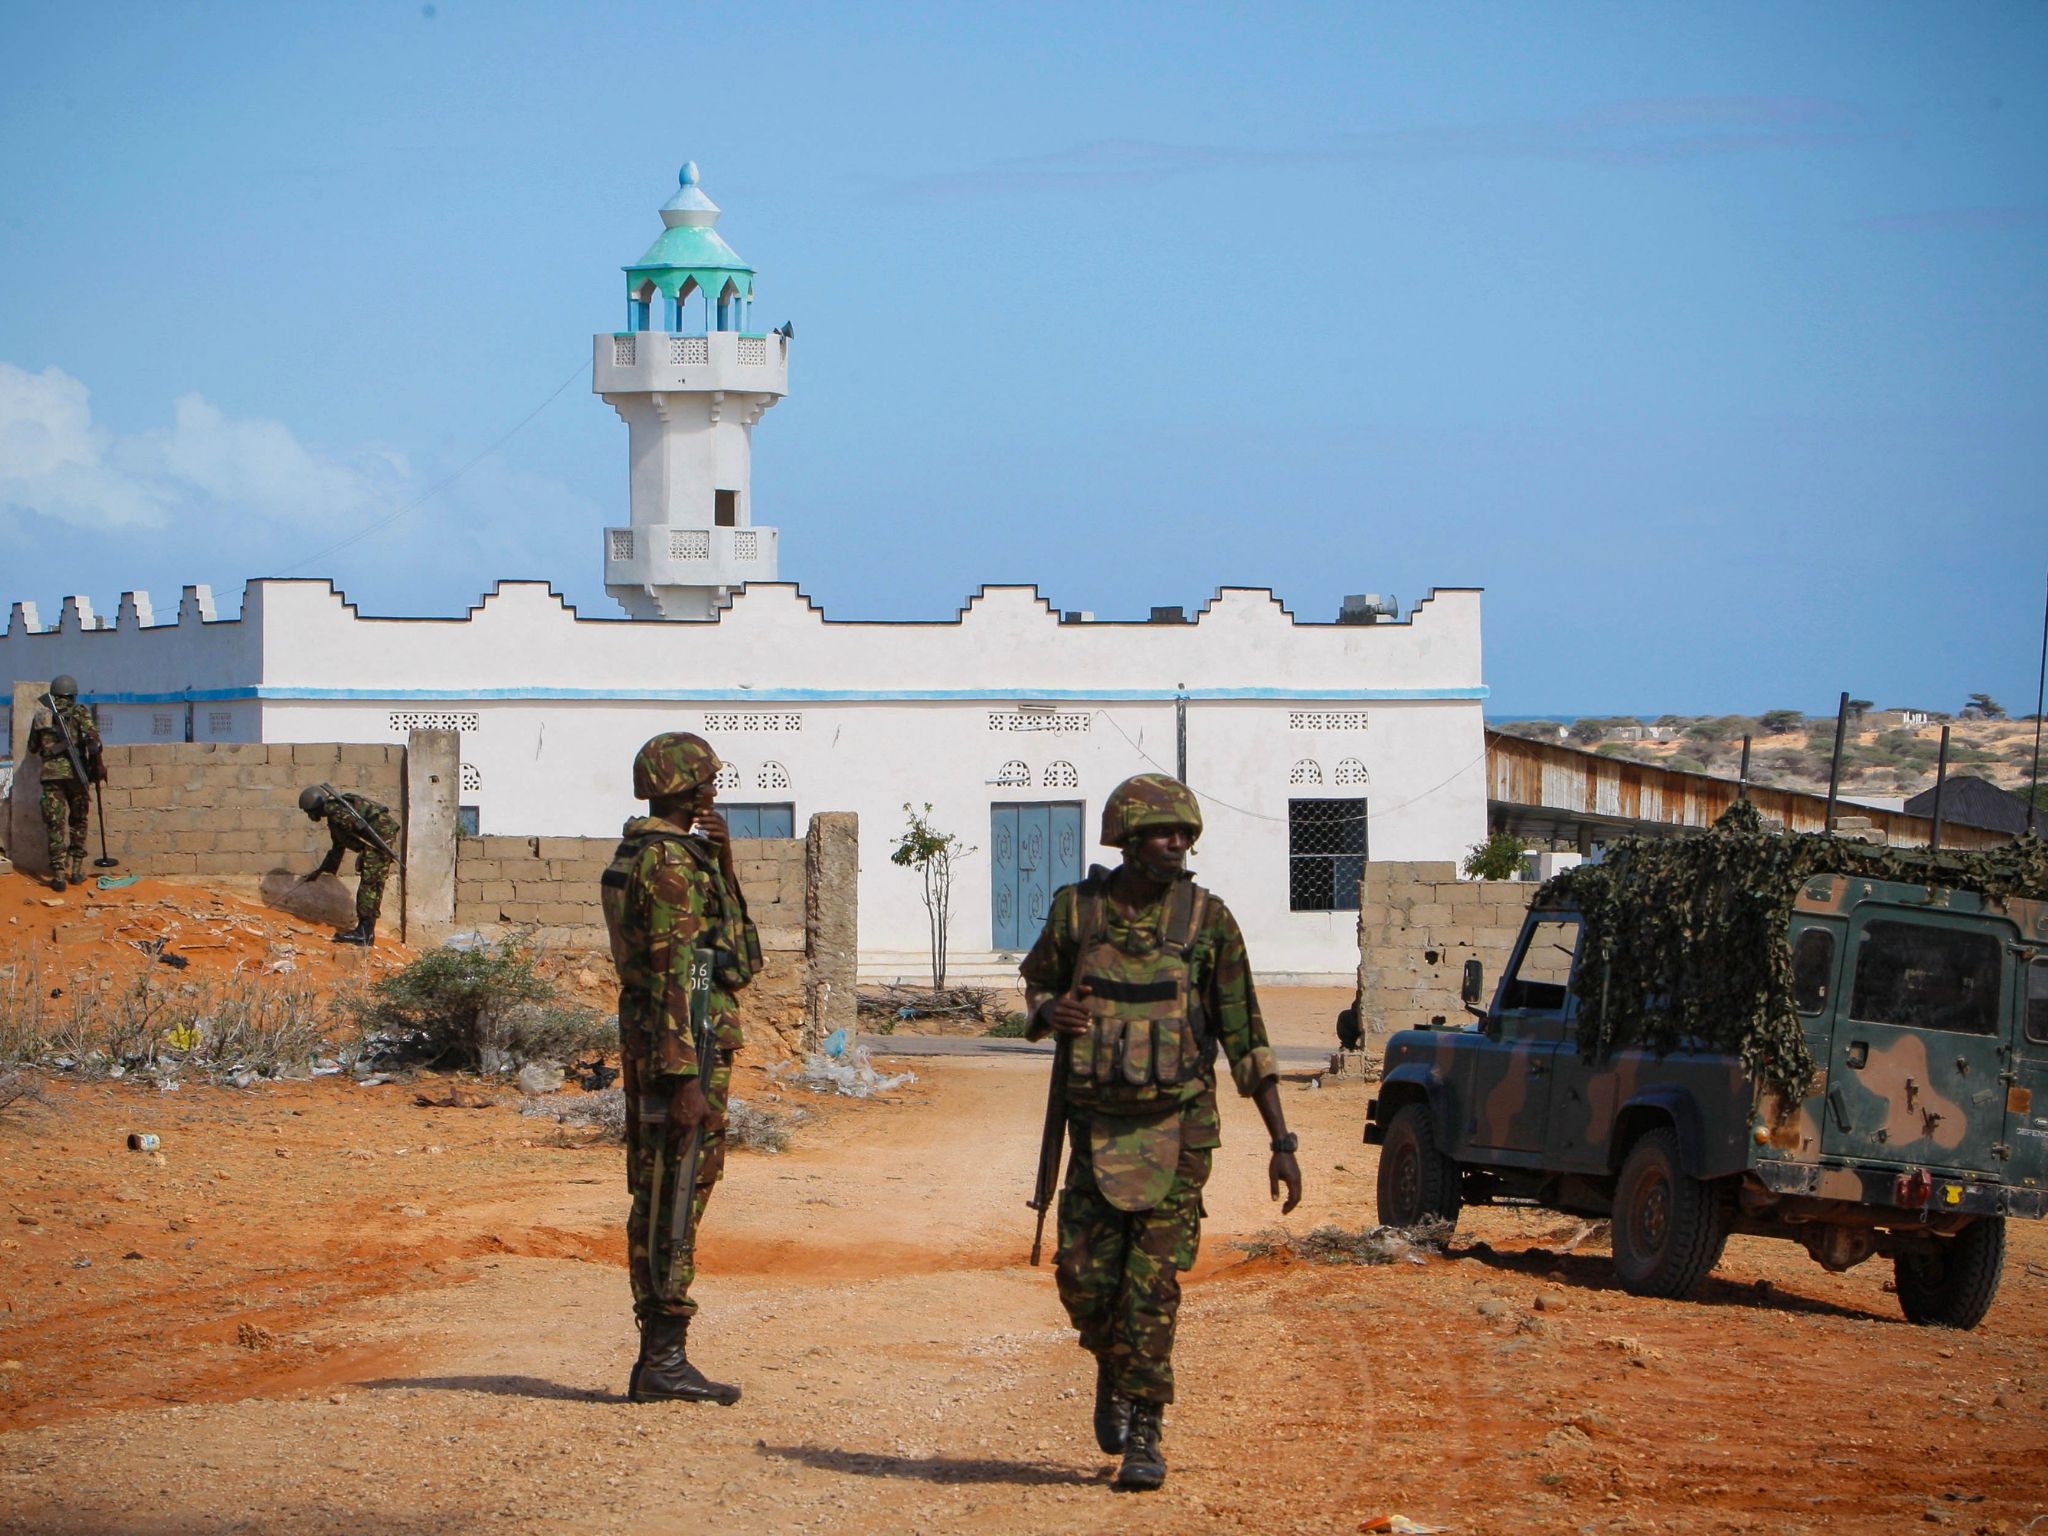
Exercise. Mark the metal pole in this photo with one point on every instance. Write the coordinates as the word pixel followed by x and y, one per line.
pixel 1835 768
pixel 1940 783
pixel 1180 734
pixel 2040 696
pixel 1742 773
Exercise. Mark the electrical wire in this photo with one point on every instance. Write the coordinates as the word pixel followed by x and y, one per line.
pixel 1373 813
pixel 442 484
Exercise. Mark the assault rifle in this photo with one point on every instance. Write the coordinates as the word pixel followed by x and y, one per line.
pixel 1052 1142
pixel 681 1215
pixel 334 799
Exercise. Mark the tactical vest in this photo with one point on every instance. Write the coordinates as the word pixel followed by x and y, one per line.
pixel 729 934
pixel 1148 1039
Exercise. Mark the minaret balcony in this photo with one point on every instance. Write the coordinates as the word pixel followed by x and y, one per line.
pixel 651 362
pixel 671 555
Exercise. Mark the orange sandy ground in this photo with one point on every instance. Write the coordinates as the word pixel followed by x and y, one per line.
pixel 325 1308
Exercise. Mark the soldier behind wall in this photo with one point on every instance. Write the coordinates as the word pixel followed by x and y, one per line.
pixel 359 825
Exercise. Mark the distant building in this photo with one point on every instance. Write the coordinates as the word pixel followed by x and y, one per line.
pixel 1896 719
pixel 1974 802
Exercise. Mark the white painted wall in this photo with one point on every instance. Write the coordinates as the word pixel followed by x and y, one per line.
pixel 888 713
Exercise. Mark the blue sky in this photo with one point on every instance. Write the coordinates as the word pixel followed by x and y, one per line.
pixel 1707 339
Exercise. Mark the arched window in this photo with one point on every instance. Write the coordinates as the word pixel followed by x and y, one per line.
pixel 1060 776
pixel 1014 774
pixel 1350 773
pixel 1307 771
pixel 472 780
pixel 772 776
pixel 728 777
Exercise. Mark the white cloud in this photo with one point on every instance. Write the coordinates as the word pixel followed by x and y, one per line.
pixel 57 461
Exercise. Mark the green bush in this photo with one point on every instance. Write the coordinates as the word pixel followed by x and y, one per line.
pixel 485 1007
pixel 1010 1026
pixel 1498 858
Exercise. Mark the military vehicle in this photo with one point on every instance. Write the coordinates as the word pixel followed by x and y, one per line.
pixel 1924 1124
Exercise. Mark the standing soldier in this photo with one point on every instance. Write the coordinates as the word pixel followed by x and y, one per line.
pixel 1142 974
pixel 62 734
pixel 355 824
pixel 673 906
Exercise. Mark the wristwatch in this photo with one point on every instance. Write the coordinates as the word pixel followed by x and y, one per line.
pixel 1288 1143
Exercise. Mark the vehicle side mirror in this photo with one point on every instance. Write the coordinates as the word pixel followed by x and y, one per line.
pixel 1472 984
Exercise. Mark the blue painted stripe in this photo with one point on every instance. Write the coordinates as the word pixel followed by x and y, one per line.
pixel 799 695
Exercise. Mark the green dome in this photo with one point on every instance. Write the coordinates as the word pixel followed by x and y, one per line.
pixel 689 250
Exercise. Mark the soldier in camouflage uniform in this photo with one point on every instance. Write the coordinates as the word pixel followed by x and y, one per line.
pixel 373 865
pixel 669 893
pixel 1142 975
pixel 66 798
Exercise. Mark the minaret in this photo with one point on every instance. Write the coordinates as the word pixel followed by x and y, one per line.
pixel 690 394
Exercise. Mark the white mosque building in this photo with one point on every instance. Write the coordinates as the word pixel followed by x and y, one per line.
pixel 1313 745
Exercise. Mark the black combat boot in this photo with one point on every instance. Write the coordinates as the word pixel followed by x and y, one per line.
pixel 1112 1413
pixel 663 1372
pixel 57 883
pixel 364 933
pixel 1144 1465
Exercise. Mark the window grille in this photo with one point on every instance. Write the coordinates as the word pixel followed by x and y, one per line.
pixel 160 725
pixel 753 349
pixel 728 777
pixel 746 545
pixel 1039 720
pixel 1059 775
pixel 1325 854
pixel 623 351
pixel 1350 774
pixel 433 719
pixel 762 720
pixel 1014 774
pixel 471 779
pixel 219 722
pixel 772 776
pixel 683 350
pixel 1326 719
pixel 689 544
pixel 1307 771
pixel 620 542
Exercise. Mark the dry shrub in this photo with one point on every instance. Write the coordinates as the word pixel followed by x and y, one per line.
pixel 757 1130
pixel 1334 1245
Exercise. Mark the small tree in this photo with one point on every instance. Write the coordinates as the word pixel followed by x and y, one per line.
pixel 1498 858
pixel 1983 707
pixel 1779 722
pixel 924 848
pixel 1588 730
pixel 1858 708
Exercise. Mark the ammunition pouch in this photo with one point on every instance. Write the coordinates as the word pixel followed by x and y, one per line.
pixel 1146 1040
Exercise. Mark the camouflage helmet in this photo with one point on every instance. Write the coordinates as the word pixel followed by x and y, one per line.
pixel 63 686
pixel 313 800
pixel 673 763
pixel 1148 800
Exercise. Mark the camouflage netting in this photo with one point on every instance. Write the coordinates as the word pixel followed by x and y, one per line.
pixel 1694 933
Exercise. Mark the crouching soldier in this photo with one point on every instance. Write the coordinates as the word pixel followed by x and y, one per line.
pixel 359 825
pixel 1142 975
pixel 683 947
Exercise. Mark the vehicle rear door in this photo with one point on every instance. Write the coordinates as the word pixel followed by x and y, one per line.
pixel 1917 1059
pixel 2026 1097
pixel 1506 1101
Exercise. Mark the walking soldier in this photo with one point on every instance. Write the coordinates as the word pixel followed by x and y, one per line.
pixel 1142 975
pixel 62 734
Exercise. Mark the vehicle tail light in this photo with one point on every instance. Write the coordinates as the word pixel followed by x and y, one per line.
pixel 1913 1189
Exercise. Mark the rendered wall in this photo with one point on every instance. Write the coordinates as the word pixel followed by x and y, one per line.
pixel 1418 924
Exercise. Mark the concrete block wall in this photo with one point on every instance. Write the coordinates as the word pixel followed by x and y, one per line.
pixel 231 808
pixel 1418 924
pixel 547 887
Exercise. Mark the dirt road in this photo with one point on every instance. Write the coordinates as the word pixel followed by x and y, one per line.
pixel 329 1309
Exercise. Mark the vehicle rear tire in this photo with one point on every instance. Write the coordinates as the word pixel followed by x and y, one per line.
pixel 1953 1287
pixel 1669 1227
pixel 1417 1183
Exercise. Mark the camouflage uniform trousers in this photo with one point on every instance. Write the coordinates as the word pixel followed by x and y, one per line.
pixel 1119 1271
pixel 67 806
pixel 641 1143
pixel 372 870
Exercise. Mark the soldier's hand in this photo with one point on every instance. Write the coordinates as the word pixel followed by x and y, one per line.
pixel 1283 1169
pixel 310 876
pixel 687 1106
pixel 1068 1014
pixel 711 826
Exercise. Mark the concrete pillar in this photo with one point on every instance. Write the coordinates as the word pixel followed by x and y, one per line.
pixel 433 779
pixel 22 837
pixel 25 696
pixel 831 923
